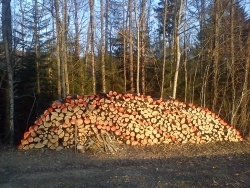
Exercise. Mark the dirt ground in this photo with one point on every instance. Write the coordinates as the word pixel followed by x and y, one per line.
pixel 207 165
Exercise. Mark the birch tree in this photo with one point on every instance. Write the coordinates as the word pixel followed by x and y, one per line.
pixel 177 22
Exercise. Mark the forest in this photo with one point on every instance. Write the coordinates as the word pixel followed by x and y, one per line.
pixel 196 51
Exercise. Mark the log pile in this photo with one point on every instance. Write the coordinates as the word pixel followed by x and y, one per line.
pixel 101 120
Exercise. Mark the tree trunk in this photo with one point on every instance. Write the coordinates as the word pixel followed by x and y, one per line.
pixel 202 66
pixel 131 60
pixel 215 54
pixel 64 45
pixel 77 44
pixel 60 55
pixel 36 43
pixel 22 26
pixel 7 39
pixel 177 45
pixel 164 47
pixel 185 55
pixel 124 47
pixel 244 118
pixel 103 67
pixel 91 6
pixel 77 34
pixel 143 46
pixel 138 48
pixel 232 66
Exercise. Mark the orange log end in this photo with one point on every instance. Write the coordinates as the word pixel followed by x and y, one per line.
pixel 117 132
pixel 79 121
pixel 87 121
pixel 26 134
pixel 20 146
pixel 54 105
pixel 24 142
pixel 113 128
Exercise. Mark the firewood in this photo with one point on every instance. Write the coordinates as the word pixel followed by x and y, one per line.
pixel 135 119
pixel 39 145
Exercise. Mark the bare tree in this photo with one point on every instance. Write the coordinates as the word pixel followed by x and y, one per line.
pixel 103 67
pixel 92 43
pixel 64 45
pixel 22 25
pixel 36 46
pixel 140 16
pixel 60 69
pixel 77 30
pixel 215 57
pixel 177 22
pixel 202 67
pixel 7 39
pixel 144 22
pixel 245 112
pixel 131 58
pixel 61 28
pixel 138 22
pixel 77 45
pixel 164 47
pixel 124 45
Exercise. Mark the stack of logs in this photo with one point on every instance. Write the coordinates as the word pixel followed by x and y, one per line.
pixel 77 121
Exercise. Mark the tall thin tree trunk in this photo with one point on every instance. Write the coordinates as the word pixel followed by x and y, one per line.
pixel 164 47
pixel 77 44
pixel 215 54
pixel 185 55
pixel 107 37
pixel 55 33
pixel 244 114
pixel 124 47
pixel 7 39
pixel 87 53
pixel 103 67
pixel 232 66
pixel 138 49
pixel 60 54
pixel 203 67
pixel 77 34
pixel 143 46
pixel 91 6
pixel 177 45
pixel 131 59
pixel 22 27
pixel 64 45
pixel 36 43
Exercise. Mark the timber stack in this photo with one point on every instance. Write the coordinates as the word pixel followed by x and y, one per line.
pixel 81 121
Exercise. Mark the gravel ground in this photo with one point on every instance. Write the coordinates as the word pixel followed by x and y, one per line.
pixel 205 165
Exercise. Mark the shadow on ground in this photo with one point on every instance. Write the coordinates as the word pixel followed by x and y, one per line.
pixel 67 169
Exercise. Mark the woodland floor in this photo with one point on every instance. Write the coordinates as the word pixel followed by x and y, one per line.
pixel 206 165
